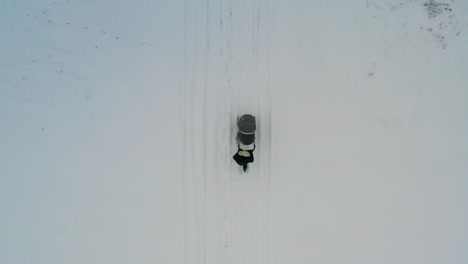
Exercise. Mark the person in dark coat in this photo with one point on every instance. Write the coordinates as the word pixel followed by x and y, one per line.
pixel 244 157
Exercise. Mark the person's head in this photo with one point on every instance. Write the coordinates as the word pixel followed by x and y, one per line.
pixel 243 153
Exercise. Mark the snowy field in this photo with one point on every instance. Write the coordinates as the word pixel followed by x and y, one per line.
pixel 117 131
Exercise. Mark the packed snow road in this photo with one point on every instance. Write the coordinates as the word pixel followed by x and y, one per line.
pixel 226 74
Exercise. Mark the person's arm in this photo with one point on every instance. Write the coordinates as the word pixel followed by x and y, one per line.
pixel 254 147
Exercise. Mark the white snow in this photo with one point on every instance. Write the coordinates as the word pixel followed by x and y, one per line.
pixel 117 131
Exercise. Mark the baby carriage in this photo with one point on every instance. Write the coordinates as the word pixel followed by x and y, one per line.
pixel 246 127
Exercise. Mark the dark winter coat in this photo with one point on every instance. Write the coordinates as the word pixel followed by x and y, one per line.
pixel 244 157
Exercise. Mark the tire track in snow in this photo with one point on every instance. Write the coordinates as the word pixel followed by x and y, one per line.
pixel 226 74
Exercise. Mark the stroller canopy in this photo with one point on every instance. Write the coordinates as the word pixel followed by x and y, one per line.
pixel 247 124
pixel 247 127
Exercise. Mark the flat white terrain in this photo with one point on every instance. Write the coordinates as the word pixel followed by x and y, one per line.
pixel 117 131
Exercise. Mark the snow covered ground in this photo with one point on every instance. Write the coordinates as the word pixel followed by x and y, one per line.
pixel 370 132
pixel 227 74
pixel 117 124
pixel 91 125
